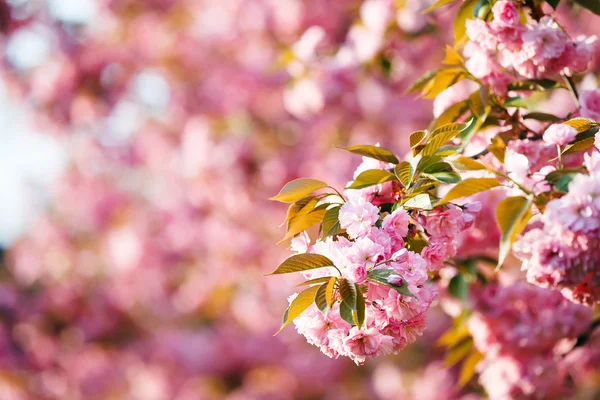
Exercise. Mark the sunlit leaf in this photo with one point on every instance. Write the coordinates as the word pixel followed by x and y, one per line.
pixel 329 292
pixel 371 177
pixel 301 207
pixel 302 262
pixel 421 202
pixel 303 222
pixel 422 81
pixel 467 370
pixel 321 299
pixel 452 57
pixel 443 80
pixel 404 172
pixel 315 281
pixel 512 215
pixel 299 305
pixel 458 353
pixel 448 128
pixel 438 141
pixel 581 124
pixel 583 141
pixel 451 114
pixel 463 163
pixel 468 187
pixel 297 189
pixel 497 148
pixel 437 4
pixel 460 22
pixel 417 137
pixel 376 152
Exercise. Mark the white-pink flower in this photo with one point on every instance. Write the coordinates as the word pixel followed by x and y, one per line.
pixel 559 134
pixel 357 217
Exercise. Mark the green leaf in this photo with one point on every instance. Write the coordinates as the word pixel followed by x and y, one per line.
pixel 421 202
pixel 437 167
pixel 404 173
pixel 539 85
pixel 592 5
pixel 347 293
pixel 302 262
pixel 371 177
pixel 463 163
pixel 553 3
pixel 468 187
pixel 458 287
pixel 303 222
pixel 539 116
pixel 465 12
pixel 467 370
pixel 518 102
pixel 445 176
pixel 301 207
pixel 438 4
pixel 346 314
pixel 324 296
pixel 512 215
pixel 298 305
pixel 561 178
pixel 581 124
pixel 331 222
pixel 297 189
pixel 376 152
pixel 381 276
pixel 361 309
pixel 315 281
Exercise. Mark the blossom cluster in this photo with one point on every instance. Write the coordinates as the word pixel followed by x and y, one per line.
pixel 562 251
pixel 377 243
pixel 506 47
pixel 518 328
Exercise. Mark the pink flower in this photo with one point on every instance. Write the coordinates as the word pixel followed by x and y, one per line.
pixel 544 42
pixel 362 344
pixel 506 13
pixel 396 223
pixel 590 104
pixel 559 134
pixel 444 223
pixel 357 216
